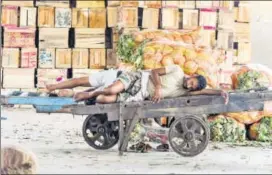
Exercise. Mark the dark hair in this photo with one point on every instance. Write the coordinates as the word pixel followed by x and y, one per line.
pixel 202 83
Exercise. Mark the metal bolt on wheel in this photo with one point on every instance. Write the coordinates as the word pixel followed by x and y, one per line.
pixel 99 133
pixel 189 136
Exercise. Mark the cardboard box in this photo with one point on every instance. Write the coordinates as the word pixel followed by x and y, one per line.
pixel 10 57
pixel 29 58
pixel 208 18
pixel 46 17
pixel 19 37
pixel 53 37
pixel 46 58
pixel 80 58
pixel 63 18
pixel 9 16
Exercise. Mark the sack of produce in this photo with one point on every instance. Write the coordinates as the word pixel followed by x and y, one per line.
pixel 252 76
pixel 130 45
pixel 226 129
pixel 246 117
pixel 262 131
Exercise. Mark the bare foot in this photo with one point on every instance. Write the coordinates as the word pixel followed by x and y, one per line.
pixel 50 88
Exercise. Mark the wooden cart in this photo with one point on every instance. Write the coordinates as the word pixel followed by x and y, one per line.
pixel 188 135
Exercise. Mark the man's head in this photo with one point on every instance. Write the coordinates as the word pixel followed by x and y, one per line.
pixel 195 83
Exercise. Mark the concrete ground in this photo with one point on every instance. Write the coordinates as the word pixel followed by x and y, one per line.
pixel 57 141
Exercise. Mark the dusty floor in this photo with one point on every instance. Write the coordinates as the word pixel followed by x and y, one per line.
pixel 57 142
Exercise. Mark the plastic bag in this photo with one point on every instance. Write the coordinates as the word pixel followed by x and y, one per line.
pixel 246 117
pixel 226 129
pixel 252 76
pixel 262 131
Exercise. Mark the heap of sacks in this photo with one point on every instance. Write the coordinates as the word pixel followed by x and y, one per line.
pixel 150 49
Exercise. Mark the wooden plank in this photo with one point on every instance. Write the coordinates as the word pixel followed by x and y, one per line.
pixel 80 58
pixel 153 4
pixel 18 3
pixel 170 18
pixel 226 19
pixel 89 38
pixel 97 58
pixel 111 58
pixel 113 3
pixel 28 16
pixel 166 3
pixel 225 39
pixel 19 37
pixel 46 58
pixel 244 12
pixel 63 17
pixel 204 4
pixel 244 53
pixel 9 16
pixel 53 37
pixel 46 17
pixel 187 4
pixel 90 4
pixel 208 18
pixel 29 58
pixel 241 32
pixel 10 57
pixel 63 58
pixel 12 75
pixel 126 3
pixel 151 18
pixel 53 3
pixel 190 19
pixel 97 18
pixel 80 17
pixel 49 76
pixel 128 16
pixel 112 15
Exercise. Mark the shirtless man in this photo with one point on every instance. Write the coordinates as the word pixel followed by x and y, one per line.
pixel 115 86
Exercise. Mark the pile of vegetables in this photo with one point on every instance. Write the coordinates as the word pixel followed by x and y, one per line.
pixel 226 129
pixel 262 130
pixel 248 78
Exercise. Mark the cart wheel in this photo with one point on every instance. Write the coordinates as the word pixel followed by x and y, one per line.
pixel 189 136
pixel 99 133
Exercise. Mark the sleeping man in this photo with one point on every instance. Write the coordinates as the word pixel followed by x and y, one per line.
pixel 122 86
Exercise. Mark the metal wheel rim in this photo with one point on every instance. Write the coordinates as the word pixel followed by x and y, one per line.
pixel 194 138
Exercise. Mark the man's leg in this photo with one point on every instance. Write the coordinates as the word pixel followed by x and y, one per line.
pixel 106 99
pixel 83 81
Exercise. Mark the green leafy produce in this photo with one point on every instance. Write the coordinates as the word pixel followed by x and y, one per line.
pixel 262 131
pixel 225 129
pixel 252 79
pixel 129 52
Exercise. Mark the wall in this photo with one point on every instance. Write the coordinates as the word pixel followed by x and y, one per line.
pixel 261 32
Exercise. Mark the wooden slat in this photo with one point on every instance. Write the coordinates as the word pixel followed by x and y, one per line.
pixel 226 19
pixel 244 53
pixel 80 58
pixel 10 58
pixel 97 18
pixel 12 75
pixel 63 17
pixel 97 58
pixel 128 16
pixel 170 18
pixel 208 18
pixel 53 3
pixel 80 17
pixel 63 58
pixel 9 16
pixel 89 38
pixel 53 37
pixel 46 17
pixel 47 58
pixel 225 39
pixel 49 76
pixel 112 15
pixel 190 19
pixel 90 4
pixel 28 16
pixel 187 4
pixel 19 37
pixel 18 3
pixel 29 57
pixel 150 18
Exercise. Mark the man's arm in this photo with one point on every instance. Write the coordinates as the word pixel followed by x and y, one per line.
pixel 223 93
